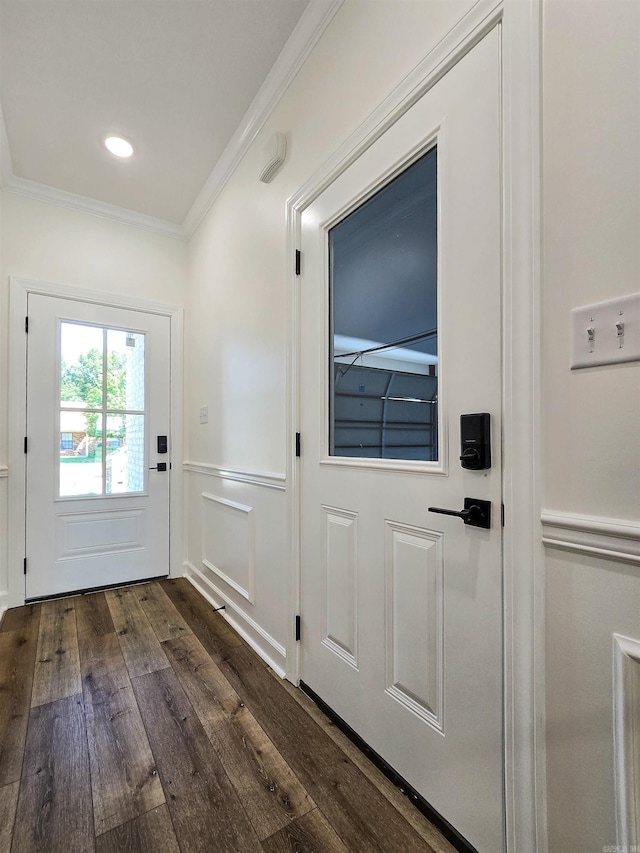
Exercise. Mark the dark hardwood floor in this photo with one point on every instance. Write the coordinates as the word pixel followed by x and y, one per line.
pixel 138 720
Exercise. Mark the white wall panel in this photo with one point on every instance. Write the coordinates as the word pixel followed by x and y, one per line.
pixel 588 600
pixel 228 543
pixel 340 582
pixel 626 669
pixel 254 515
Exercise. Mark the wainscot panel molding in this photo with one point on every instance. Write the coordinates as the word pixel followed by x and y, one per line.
pixel 240 475
pixel 611 538
pixel 4 471
pixel 626 687
pixel 228 537
pixel 269 649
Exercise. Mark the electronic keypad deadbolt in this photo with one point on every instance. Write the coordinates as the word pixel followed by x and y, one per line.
pixel 475 441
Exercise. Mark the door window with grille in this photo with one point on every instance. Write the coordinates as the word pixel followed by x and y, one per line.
pixel 102 411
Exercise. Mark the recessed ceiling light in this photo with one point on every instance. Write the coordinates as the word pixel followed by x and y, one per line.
pixel 119 146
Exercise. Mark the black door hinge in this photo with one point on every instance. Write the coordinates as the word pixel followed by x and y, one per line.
pixel 26 325
pixel 25 444
pixel 298 629
pixel 298 444
pixel 503 515
pixel 298 261
pixel 25 565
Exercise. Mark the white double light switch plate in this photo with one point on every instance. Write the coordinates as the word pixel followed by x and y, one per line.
pixel 606 333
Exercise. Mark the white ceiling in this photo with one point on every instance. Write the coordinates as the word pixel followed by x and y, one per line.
pixel 175 77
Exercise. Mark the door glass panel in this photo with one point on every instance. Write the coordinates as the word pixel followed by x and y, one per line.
pixel 383 328
pixel 81 351
pixel 125 453
pixel 80 467
pixel 102 436
pixel 125 370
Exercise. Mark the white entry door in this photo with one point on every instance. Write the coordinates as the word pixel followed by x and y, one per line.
pixel 401 336
pixel 98 392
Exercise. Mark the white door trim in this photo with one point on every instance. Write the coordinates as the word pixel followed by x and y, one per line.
pixel 19 290
pixel 525 790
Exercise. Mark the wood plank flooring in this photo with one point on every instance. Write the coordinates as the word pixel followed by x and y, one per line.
pixel 138 721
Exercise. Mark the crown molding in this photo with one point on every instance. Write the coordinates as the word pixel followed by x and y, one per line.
pixel 73 201
pixel 301 42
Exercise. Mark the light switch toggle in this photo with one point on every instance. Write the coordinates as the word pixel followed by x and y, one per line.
pixel 606 333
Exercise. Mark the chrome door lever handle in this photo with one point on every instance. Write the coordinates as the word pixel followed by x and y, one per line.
pixel 476 513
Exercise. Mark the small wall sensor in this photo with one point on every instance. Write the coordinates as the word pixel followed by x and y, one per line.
pixel 274 154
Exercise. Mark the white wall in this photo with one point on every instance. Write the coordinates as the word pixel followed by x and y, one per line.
pixel 53 244
pixel 591 234
pixel 591 100
pixel 237 314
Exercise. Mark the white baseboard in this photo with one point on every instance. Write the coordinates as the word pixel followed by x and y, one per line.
pixel 270 650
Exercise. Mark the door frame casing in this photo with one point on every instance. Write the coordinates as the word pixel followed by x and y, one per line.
pixel 19 290
pixel 523 567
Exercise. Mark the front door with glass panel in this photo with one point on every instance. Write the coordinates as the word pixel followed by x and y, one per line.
pixel 98 395
pixel 400 336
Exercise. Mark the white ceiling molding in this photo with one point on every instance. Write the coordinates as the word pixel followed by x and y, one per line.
pixel 304 37
pixel 6 166
pixel 72 201
pixel 313 22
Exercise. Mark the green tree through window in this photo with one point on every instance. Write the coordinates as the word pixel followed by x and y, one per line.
pixel 83 381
